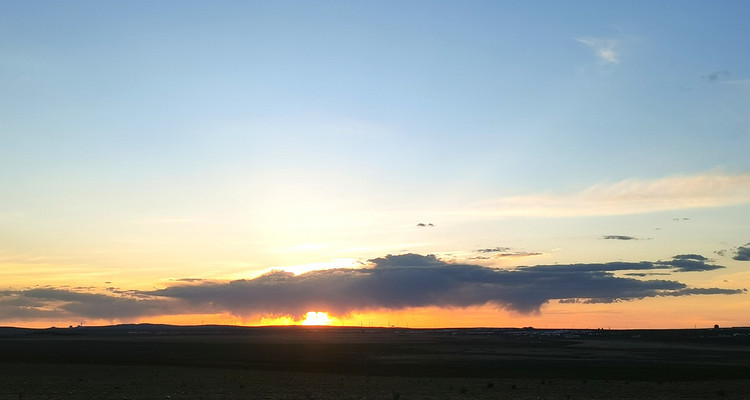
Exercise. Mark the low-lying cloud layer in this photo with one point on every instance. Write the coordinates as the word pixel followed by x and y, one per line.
pixel 390 282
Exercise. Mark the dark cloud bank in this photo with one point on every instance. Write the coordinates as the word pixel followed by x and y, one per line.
pixel 391 282
pixel 743 253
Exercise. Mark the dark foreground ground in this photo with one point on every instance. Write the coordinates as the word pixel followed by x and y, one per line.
pixel 161 362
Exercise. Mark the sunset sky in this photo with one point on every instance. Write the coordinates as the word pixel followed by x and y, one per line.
pixel 413 163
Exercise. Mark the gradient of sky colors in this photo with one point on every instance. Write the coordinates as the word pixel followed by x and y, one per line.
pixel 392 163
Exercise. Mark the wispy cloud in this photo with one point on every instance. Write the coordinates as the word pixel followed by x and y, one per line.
pixel 631 196
pixel 497 249
pixel 716 75
pixel 604 49
pixel 496 253
pixel 619 237
pixel 390 282
pixel 169 220
pixel 739 82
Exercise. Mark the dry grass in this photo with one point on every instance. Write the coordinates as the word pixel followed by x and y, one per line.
pixel 384 364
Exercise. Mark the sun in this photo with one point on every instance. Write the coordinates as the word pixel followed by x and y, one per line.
pixel 317 318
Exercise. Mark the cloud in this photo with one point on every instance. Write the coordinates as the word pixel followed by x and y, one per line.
pixel 503 252
pixel 619 237
pixel 696 257
pixel 604 49
pixel 630 196
pixel 390 282
pixel 692 291
pixel 410 260
pixel 493 250
pixel 65 303
pixel 689 263
pixel 517 254
pixel 413 280
pixel 743 253
pixel 716 75
pixel 739 82
pixel 13 306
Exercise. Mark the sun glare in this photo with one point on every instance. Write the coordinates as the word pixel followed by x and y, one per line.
pixel 317 318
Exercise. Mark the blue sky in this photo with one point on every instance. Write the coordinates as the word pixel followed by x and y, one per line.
pixel 150 141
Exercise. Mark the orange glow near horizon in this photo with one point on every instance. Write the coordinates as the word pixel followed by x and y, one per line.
pixel 663 313
pixel 655 313
pixel 317 318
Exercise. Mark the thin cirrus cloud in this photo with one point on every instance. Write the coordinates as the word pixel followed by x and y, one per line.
pixel 503 252
pixel 630 196
pixel 604 49
pixel 496 249
pixel 739 82
pixel 391 282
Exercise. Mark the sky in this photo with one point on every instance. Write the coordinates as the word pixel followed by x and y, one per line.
pixel 390 163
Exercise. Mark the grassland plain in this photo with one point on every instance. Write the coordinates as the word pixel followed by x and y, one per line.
pixel 167 362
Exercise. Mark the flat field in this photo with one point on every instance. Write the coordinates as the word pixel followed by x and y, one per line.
pixel 216 362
